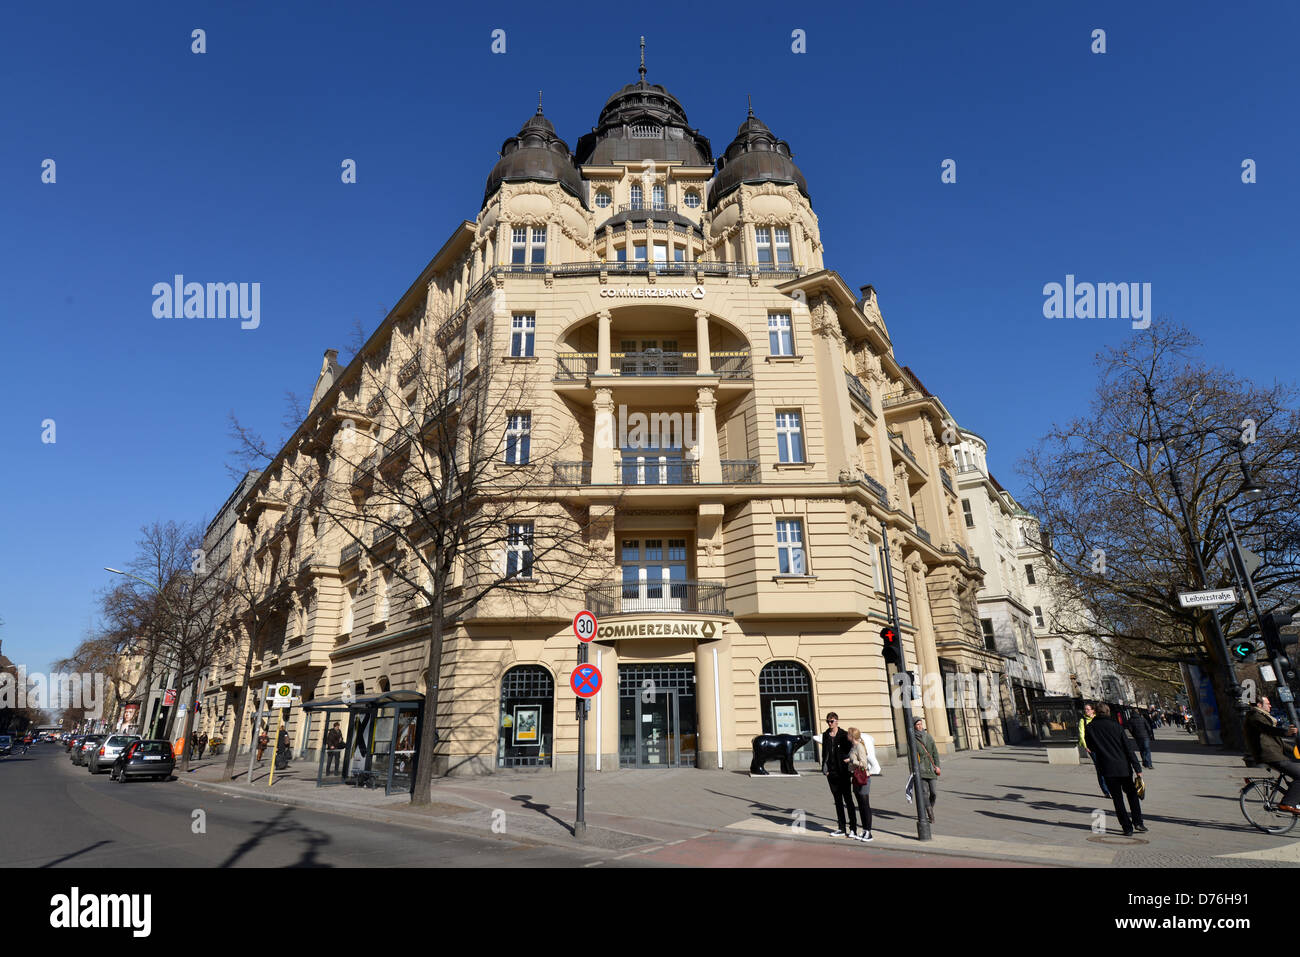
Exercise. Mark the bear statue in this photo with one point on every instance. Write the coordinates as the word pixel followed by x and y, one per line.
pixel 783 746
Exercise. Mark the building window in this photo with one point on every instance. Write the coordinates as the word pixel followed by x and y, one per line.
pixel 1038 616
pixel 691 199
pixel 518 437
pixel 786 702
pixel 637 196
pixel 1048 665
pixel 657 197
pixel 763 235
pixel 1029 574
pixel 790 557
pixel 519 550
pixel 789 436
pixel 527 718
pixel 638 252
pixel 679 254
pixel 966 510
pixel 781 239
pixel 603 199
pixel 989 641
pixel 779 336
pixel 523 329
pixel 528 245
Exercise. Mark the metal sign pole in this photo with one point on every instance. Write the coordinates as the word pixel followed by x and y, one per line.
pixel 580 822
pixel 279 717
pixel 913 764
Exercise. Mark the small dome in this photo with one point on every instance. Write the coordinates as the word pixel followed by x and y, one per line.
pixel 755 156
pixel 536 154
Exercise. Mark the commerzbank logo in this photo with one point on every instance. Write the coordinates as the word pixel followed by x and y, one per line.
pixel 651 292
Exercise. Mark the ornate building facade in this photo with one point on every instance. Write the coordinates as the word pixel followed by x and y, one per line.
pixel 720 418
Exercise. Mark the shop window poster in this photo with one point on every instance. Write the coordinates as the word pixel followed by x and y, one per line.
pixel 527 725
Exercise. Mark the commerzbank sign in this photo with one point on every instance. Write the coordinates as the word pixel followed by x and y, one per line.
pixel 657 628
pixel 651 292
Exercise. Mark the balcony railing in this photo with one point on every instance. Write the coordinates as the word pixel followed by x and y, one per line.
pixel 661 597
pixel 740 472
pixel 350 551
pixel 946 478
pixel 923 535
pixel 906 449
pixel 648 207
pixel 857 389
pixel 571 473
pixel 876 487
pixel 898 398
pixel 654 363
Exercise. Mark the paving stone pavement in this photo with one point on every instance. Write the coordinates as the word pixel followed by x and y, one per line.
pixel 1000 803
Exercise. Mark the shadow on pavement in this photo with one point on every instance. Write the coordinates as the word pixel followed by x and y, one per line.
pixel 282 825
pixel 526 803
pixel 84 850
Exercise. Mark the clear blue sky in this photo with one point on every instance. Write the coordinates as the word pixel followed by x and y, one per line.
pixel 225 167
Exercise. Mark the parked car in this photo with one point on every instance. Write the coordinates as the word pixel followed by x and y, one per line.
pixel 144 759
pixel 73 740
pixel 6 744
pixel 80 753
pixel 102 757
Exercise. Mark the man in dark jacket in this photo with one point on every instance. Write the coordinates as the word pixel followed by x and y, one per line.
pixel 1116 763
pixel 1142 732
pixel 836 748
pixel 1264 743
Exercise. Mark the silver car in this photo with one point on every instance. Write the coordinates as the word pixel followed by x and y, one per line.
pixel 101 758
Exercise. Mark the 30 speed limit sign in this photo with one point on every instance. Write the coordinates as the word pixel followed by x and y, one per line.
pixel 584 625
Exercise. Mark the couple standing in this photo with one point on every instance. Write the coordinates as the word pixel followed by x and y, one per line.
pixel 849 760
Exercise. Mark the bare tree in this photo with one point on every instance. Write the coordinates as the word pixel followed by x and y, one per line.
pixel 1102 488
pixel 434 484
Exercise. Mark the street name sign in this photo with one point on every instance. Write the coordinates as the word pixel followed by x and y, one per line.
pixel 1200 599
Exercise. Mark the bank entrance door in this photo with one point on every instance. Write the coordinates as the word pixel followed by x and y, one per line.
pixel 656 720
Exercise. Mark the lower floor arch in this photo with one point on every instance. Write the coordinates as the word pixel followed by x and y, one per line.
pixel 527 722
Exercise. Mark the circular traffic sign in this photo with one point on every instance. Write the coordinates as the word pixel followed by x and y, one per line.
pixel 585 680
pixel 584 625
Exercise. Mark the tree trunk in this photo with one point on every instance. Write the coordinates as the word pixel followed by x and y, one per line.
pixel 241 713
pixel 422 792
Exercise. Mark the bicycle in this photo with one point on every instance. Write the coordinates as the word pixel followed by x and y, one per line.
pixel 1259 800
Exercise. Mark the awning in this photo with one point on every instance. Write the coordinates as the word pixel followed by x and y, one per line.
pixel 365 702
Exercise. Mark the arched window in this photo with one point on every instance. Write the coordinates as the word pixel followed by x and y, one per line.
pixel 602 199
pixel 527 718
pixel 785 696
pixel 637 196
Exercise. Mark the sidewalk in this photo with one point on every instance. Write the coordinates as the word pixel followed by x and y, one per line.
pixel 1003 803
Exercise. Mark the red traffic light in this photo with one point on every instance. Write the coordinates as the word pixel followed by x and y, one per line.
pixel 891 650
pixel 888 634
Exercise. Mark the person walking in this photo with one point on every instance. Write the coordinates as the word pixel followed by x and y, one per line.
pixel 863 764
pixel 282 750
pixel 1142 732
pixel 333 748
pixel 836 749
pixel 1264 744
pixel 203 743
pixel 1116 762
pixel 1089 712
pixel 263 739
pixel 927 766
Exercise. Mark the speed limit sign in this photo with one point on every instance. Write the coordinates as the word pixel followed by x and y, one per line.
pixel 584 625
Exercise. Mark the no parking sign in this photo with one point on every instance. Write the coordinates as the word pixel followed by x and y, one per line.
pixel 585 680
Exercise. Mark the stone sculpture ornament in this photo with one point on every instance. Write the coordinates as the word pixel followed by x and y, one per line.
pixel 783 746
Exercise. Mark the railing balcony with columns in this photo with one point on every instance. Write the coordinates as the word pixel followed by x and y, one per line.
pixel 653 363
pixel 658 597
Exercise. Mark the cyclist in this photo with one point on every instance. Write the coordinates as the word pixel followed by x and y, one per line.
pixel 1264 743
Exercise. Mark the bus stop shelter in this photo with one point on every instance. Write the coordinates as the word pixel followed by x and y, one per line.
pixel 380 739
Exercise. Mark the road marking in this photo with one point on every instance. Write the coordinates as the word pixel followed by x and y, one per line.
pixel 1283 852
pixel 1059 854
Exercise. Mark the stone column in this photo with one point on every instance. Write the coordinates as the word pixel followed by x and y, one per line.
pixel 702 341
pixel 602 343
pixel 707 703
pixel 710 462
pixel 604 440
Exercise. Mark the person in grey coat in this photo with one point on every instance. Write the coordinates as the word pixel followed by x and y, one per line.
pixel 1142 732
pixel 927 765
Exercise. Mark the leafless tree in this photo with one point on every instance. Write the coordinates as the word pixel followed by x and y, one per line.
pixel 1102 488
pixel 433 489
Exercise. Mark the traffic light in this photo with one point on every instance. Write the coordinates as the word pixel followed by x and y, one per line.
pixel 1244 649
pixel 1271 625
pixel 891 649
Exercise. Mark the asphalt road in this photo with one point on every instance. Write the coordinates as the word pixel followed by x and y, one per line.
pixel 53 814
